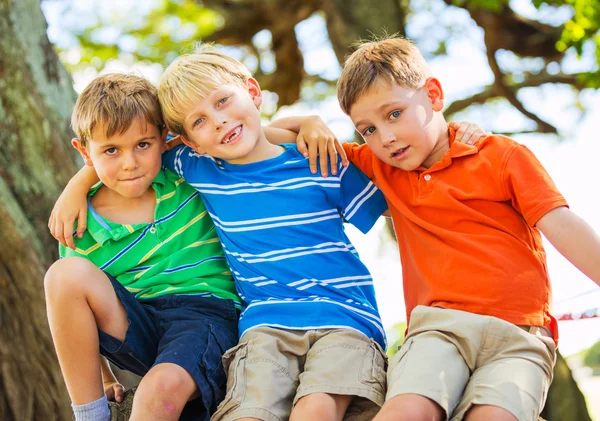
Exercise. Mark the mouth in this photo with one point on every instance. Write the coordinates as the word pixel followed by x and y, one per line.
pixel 400 153
pixel 132 178
pixel 232 136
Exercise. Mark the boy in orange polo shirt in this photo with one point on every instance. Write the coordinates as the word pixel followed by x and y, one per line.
pixel 481 339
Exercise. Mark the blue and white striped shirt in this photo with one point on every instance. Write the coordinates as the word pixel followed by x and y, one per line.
pixel 282 232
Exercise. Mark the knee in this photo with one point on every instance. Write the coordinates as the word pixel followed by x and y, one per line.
pixel 324 405
pixel 410 408
pixel 489 413
pixel 65 275
pixel 168 384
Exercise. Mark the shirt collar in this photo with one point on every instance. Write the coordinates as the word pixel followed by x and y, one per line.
pixel 457 150
pixel 102 230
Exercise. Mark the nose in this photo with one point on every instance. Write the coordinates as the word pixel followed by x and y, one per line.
pixel 387 137
pixel 130 161
pixel 220 121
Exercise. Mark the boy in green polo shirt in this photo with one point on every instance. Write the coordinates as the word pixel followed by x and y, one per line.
pixel 147 284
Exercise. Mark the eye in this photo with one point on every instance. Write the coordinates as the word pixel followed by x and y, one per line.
pixel 111 151
pixel 394 115
pixel 223 100
pixel 368 131
pixel 197 122
pixel 144 145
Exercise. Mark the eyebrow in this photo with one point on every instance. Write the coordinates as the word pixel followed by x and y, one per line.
pixel 381 107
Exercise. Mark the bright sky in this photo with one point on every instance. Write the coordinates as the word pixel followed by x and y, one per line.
pixel 570 159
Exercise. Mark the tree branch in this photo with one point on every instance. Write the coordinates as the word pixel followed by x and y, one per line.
pixel 531 81
pixel 511 94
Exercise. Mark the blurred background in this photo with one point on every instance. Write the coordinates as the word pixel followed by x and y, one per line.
pixel 526 68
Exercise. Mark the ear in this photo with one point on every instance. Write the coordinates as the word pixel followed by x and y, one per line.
pixel 163 138
pixel 254 91
pixel 434 90
pixel 77 144
pixel 192 145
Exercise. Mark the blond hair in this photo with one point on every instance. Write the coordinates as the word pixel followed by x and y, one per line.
pixel 192 77
pixel 113 101
pixel 394 60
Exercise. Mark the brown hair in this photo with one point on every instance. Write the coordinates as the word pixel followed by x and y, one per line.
pixel 192 77
pixel 394 59
pixel 113 101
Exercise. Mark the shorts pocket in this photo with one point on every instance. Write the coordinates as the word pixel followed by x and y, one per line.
pixel 374 365
pixel 234 364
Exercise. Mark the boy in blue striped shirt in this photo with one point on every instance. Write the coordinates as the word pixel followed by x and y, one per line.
pixel 310 324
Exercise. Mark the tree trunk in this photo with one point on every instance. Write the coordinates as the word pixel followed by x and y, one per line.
pixel 36 98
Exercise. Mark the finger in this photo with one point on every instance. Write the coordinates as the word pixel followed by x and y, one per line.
pixel 333 157
pixel 82 222
pixel 312 158
pixel 301 144
pixel 119 391
pixel 341 152
pixel 68 234
pixel 60 233
pixel 110 394
pixel 323 158
pixel 460 132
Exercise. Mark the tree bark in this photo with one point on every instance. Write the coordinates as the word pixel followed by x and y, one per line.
pixel 36 98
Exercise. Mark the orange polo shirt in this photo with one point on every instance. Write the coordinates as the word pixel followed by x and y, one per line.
pixel 466 229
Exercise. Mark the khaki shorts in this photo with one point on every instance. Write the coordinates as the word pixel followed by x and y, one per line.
pixel 272 368
pixel 459 359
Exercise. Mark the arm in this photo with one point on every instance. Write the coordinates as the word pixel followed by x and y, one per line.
pixel 574 239
pixel 314 138
pixel 112 388
pixel 71 206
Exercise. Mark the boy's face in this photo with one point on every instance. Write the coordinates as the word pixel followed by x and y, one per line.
pixel 400 124
pixel 128 162
pixel 226 124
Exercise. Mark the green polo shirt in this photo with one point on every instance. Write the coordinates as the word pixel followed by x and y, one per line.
pixel 179 253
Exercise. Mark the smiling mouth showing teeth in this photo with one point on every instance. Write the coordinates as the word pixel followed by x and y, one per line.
pixel 235 132
pixel 399 152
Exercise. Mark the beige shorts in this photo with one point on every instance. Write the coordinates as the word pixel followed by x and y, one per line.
pixel 272 368
pixel 459 359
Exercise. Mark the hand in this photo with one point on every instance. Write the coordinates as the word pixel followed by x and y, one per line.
pixel 315 138
pixel 468 133
pixel 71 206
pixel 114 390
pixel 172 142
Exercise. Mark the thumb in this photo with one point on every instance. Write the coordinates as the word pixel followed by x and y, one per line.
pixel 118 393
pixel 301 144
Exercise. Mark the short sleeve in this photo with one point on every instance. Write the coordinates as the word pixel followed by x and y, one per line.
pixel 183 161
pixel 361 202
pixel 529 186
pixel 361 156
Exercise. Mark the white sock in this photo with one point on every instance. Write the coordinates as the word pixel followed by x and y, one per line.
pixel 93 411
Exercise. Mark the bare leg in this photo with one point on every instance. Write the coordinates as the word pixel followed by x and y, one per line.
pixel 162 393
pixel 410 407
pixel 321 406
pixel 80 300
pixel 489 413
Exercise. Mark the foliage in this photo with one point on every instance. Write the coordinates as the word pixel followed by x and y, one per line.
pixel 159 36
pixel 592 356
pixel 396 337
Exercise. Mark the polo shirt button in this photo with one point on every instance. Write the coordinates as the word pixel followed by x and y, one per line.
pixel 427 177
pixel 152 230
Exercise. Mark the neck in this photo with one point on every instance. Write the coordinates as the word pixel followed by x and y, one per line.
pixel 442 145
pixel 262 151
pixel 108 198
